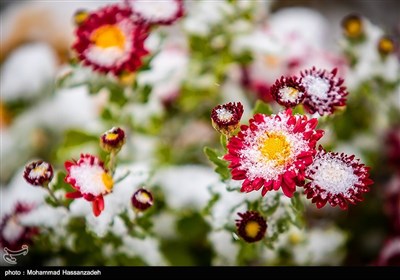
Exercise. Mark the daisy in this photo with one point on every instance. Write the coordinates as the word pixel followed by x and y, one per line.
pixel 251 226
pixel 288 91
pixel 90 180
pixel 273 152
pixel 157 12
pixel 225 118
pixel 38 173
pixel 324 91
pixel 13 235
pixel 109 41
pixel 142 199
pixel 336 178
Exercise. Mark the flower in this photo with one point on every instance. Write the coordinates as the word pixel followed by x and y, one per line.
pixel 225 118
pixel 353 26
pixel 12 233
pixel 273 152
pixel 109 41
pixel 288 91
pixel 142 199
pixel 90 180
pixel 163 12
pixel 336 178
pixel 80 16
pixel 251 227
pixel 392 144
pixel 38 173
pixel 112 140
pixel 390 253
pixel 386 45
pixel 324 92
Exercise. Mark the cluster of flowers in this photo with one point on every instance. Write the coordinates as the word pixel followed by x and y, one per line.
pixel 89 178
pixel 279 151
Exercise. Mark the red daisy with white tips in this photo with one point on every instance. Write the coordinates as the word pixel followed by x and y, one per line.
pixel 338 179
pixel 163 12
pixel 109 41
pixel 324 91
pixel 288 91
pixel 273 151
pixel 90 180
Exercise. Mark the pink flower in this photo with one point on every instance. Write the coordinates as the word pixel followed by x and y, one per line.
pixel 251 226
pixel 288 91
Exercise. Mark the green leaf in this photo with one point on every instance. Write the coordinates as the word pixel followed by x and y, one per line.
pixel 221 165
pixel 214 199
pixel 297 203
pixel 75 137
pixel 262 108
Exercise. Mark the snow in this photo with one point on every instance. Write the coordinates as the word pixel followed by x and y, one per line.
pixel 27 71
pixel 147 249
pixel 226 249
pixel 186 186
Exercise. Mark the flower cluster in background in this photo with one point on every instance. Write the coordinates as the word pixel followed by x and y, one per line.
pixel 184 132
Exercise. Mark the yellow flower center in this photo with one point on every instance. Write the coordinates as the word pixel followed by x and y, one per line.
pixel 111 136
pixel 293 92
pixel 108 36
pixel 353 28
pixel 275 147
pixel 386 46
pixel 143 197
pixel 252 228
pixel 107 181
pixel 295 238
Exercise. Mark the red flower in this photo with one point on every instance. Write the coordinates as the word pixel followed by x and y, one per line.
pixel 288 91
pixel 324 91
pixel 142 199
pixel 273 152
pixel 336 178
pixel 12 233
pixel 225 118
pixel 393 147
pixel 112 140
pixel 90 180
pixel 251 227
pixel 38 173
pixel 109 41
pixel 163 12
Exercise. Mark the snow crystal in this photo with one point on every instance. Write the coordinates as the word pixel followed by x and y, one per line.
pixel 316 87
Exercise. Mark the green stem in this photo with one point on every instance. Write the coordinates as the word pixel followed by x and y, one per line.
pixel 56 200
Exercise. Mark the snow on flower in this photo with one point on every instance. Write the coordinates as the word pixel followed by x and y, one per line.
pixel 90 180
pixel 163 12
pixel 142 199
pixel 288 91
pixel 112 140
pixel 336 178
pixel 109 41
pixel 272 152
pixel 390 253
pixel 324 91
pixel 38 173
pixel 225 118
